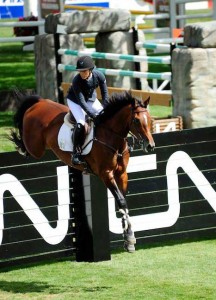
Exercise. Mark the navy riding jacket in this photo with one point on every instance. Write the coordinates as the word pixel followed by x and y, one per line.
pixel 83 90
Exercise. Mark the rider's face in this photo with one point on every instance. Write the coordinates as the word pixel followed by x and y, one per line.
pixel 85 74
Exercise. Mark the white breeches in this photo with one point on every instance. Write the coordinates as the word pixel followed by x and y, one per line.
pixel 79 113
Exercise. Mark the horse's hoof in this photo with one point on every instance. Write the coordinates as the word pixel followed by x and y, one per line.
pixel 129 238
pixel 129 247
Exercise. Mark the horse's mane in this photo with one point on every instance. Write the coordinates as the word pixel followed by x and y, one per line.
pixel 116 102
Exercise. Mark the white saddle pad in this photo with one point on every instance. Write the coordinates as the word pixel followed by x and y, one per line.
pixel 65 140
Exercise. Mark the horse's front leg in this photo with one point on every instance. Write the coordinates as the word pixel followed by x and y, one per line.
pixel 119 195
pixel 128 234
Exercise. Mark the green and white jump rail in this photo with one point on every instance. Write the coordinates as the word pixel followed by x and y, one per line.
pixel 113 72
pixel 153 46
pixel 112 56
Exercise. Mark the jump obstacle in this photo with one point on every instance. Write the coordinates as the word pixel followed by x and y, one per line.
pixel 116 72
pixel 112 56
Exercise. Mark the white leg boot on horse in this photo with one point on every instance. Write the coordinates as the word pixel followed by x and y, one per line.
pixel 128 233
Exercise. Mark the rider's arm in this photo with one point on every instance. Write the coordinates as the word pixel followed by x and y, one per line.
pixel 103 88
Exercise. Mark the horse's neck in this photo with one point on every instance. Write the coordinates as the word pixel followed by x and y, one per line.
pixel 120 123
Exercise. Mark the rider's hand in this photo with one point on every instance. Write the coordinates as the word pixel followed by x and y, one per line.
pixel 95 119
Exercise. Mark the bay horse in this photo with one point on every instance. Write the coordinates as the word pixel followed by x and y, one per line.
pixel 38 121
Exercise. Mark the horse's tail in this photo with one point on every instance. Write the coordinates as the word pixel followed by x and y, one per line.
pixel 16 134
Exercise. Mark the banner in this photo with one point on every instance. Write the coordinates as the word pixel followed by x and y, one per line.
pixel 11 9
pixel 162 7
pixel 98 3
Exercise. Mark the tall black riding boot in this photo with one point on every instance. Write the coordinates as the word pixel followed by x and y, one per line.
pixel 78 139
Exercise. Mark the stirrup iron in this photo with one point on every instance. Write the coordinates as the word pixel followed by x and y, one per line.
pixel 75 159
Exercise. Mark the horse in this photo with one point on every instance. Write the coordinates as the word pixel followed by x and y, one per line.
pixel 37 122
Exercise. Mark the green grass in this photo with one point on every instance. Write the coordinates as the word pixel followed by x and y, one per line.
pixel 183 271
pixel 17 67
pixel 7 31
pixel 6 123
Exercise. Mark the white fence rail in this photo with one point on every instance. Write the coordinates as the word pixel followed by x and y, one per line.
pixel 20 24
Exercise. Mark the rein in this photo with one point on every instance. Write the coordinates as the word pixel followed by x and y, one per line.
pixel 115 133
pixel 112 148
pixel 109 146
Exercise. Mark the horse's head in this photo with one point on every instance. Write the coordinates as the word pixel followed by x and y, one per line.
pixel 141 125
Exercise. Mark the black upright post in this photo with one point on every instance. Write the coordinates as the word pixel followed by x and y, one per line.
pixel 58 74
pixel 136 64
pixel 91 218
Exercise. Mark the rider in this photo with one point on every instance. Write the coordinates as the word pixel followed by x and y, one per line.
pixel 82 99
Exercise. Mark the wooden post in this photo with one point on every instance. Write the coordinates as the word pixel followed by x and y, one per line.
pixel 58 74
pixel 136 64
pixel 91 218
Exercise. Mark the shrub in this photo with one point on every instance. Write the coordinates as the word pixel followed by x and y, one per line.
pixel 26 31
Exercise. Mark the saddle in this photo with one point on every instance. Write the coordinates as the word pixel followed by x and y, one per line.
pixel 66 130
pixel 70 121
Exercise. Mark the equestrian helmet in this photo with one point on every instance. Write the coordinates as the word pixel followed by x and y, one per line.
pixel 85 63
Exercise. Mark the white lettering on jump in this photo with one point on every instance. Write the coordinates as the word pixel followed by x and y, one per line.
pixel 170 127
pixel 51 235
pixel 169 217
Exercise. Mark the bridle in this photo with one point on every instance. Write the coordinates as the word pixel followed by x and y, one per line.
pixel 137 138
pixel 129 146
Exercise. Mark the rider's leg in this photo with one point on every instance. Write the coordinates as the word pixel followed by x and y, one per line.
pixel 79 131
pixel 78 139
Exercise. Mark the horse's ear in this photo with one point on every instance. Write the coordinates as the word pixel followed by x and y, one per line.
pixel 146 102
